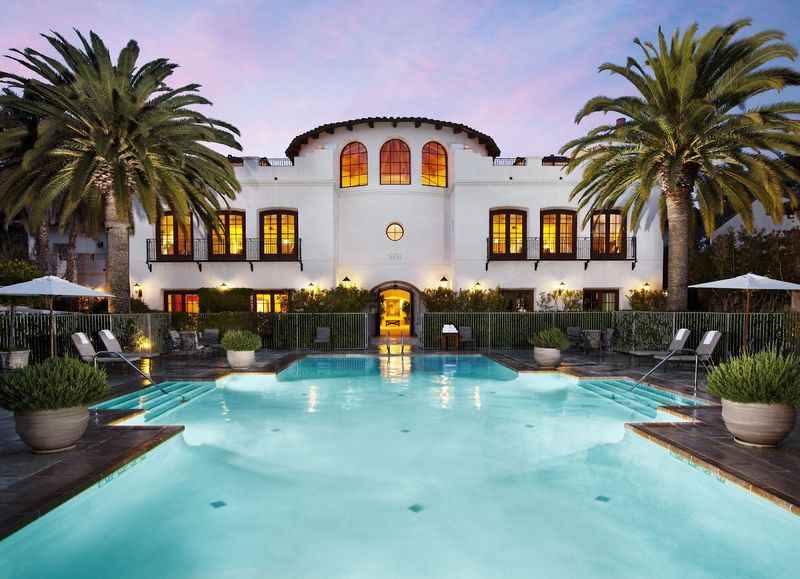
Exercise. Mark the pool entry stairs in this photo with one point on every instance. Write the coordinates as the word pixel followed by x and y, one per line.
pixel 643 400
pixel 159 398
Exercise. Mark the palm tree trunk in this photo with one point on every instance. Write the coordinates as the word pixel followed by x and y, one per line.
pixel 678 245
pixel 43 247
pixel 72 257
pixel 118 258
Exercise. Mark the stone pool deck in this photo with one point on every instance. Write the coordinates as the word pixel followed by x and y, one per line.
pixel 31 485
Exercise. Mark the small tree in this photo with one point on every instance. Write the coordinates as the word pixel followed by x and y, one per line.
pixel 16 271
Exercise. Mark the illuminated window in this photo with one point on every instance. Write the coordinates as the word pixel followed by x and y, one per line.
pixel 507 232
pixel 271 301
pixel 227 236
pixel 558 234
pixel 395 163
pixel 279 234
pixel 182 301
pixel 395 231
pixel 600 300
pixel 353 167
pixel 174 240
pixel 434 165
pixel 608 234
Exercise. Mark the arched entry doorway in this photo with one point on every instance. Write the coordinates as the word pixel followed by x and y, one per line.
pixel 397 304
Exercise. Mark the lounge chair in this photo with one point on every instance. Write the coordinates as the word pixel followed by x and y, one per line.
pixel 323 337
pixel 676 346
pixel 575 335
pixel 88 354
pixel 702 354
pixel 465 336
pixel 209 338
pixel 111 344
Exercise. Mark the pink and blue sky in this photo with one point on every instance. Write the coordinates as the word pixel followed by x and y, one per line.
pixel 515 70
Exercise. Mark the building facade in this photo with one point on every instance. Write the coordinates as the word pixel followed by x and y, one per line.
pixel 397 205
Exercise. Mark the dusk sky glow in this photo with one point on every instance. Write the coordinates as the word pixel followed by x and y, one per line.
pixel 517 71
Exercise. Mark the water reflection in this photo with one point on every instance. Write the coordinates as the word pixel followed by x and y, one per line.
pixel 446 394
pixel 476 397
pixel 395 368
pixel 313 395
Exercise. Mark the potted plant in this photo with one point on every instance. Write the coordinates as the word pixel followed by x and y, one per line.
pixel 760 393
pixel 241 346
pixel 50 401
pixel 14 271
pixel 547 347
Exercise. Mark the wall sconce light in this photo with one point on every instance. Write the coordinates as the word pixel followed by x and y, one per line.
pixel 477 286
pixel 646 286
pixel 347 282
pixel 223 286
pixel 137 290
pixel 443 282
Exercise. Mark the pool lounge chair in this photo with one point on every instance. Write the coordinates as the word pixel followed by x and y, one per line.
pixel 88 354
pixel 111 344
pixel 703 354
pixel 175 339
pixel 676 346
pixel 323 337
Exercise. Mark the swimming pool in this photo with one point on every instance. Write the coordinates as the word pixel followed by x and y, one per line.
pixel 397 467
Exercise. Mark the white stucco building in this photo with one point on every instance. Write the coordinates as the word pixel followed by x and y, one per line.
pixel 402 204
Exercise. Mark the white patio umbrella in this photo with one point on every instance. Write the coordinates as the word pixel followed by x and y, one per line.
pixel 749 282
pixel 51 286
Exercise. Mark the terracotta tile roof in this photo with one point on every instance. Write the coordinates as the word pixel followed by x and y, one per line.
pixel 483 139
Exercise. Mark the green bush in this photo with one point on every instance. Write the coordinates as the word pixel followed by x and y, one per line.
pixel 767 377
pixel 241 341
pixel 647 300
pixel 550 338
pixel 340 299
pixel 473 300
pixel 55 383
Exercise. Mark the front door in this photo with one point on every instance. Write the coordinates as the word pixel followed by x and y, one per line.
pixel 395 312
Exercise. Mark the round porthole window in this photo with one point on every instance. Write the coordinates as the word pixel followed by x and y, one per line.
pixel 394 231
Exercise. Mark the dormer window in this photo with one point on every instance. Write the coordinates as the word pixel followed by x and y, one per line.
pixel 395 163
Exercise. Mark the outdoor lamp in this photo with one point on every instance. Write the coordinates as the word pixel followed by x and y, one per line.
pixel 223 286
pixel 137 290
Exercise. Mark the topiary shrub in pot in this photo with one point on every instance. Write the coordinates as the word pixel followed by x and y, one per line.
pixel 547 347
pixel 50 401
pixel 241 346
pixel 760 393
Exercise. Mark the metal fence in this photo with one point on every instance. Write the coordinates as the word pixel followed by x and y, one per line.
pixel 633 330
pixel 289 331
pixel 140 332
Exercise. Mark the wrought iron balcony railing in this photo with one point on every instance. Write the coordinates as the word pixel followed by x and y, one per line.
pixel 586 249
pixel 202 251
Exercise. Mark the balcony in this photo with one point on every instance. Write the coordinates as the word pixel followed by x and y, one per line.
pixel 200 254
pixel 583 250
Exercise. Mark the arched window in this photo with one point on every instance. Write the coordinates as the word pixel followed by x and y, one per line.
pixel 559 231
pixel 353 165
pixel 434 165
pixel 508 230
pixel 608 234
pixel 395 163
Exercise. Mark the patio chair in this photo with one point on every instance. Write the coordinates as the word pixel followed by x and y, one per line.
pixel 575 335
pixel 676 346
pixel 111 344
pixel 175 339
pixel 607 340
pixel 465 336
pixel 703 354
pixel 88 354
pixel 209 338
pixel 323 337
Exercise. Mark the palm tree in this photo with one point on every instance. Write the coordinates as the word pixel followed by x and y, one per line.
pixel 116 130
pixel 690 137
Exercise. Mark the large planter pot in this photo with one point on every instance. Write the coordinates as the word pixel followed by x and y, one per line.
pixel 52 430
pixel 241 360
pixel 547 357
pixel 758 424
pixel 14 360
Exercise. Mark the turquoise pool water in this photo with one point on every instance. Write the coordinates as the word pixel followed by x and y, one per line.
pixel 431 467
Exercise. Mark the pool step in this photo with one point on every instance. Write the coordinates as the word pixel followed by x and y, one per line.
pixel 630 401
pixel 158 399
pixel 643 399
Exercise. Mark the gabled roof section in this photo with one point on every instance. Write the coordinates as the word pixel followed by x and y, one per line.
pixel 483 139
